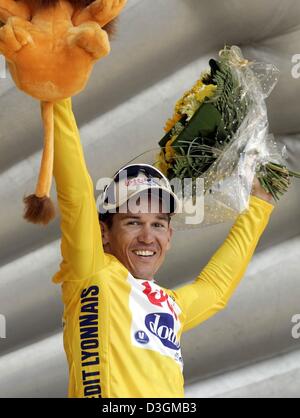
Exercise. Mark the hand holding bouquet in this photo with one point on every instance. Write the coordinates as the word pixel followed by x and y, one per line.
pixel 219 133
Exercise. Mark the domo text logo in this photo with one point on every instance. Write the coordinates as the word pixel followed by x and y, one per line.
pixel 162 325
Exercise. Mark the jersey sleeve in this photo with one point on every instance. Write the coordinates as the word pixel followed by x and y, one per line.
pixel 212 289
pixel 81 243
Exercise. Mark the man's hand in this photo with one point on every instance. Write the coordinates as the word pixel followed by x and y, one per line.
pixel 259 191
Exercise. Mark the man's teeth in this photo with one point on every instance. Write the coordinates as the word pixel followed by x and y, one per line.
pixel 144 253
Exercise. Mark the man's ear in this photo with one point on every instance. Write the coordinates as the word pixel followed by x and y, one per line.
pixel 104 233
pixel 170 232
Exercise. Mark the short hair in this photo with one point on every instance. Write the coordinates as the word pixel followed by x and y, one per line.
pixel 108 218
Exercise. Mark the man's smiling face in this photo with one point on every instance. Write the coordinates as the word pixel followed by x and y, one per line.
pixel 139 240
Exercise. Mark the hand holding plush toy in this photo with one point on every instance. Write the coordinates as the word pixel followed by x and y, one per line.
pixel 50 47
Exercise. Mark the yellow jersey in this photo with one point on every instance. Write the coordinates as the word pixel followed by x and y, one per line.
pixel 122 334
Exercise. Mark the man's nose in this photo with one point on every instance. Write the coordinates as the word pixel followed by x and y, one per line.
pixel 146 235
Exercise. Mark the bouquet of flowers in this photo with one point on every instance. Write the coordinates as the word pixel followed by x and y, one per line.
pixel 219 133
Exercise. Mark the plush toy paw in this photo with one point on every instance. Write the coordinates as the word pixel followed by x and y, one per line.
pixel 21 28
pixel 14 35
pixel 90 37
pixel 100 11
pixel 106 10
pixel 10 8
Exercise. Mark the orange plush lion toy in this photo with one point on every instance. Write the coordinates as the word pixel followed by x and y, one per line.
pixel 50 47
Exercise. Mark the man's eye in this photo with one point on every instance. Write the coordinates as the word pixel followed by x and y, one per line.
pixel 133 223
pixel 158 225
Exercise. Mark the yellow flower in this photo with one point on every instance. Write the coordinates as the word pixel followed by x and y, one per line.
pixel 205 91
pixel 166 156
pixel 193 98
pixel 170 152
pixel 172 122
pixel 187 105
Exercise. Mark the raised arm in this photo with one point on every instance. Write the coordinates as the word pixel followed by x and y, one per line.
pixel 81 243
pixel 212 289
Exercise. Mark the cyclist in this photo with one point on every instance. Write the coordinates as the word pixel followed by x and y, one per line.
pixel 122 329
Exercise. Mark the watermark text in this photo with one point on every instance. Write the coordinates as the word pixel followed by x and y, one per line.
pixel 296 327
pixel 2 326
pixel 296 66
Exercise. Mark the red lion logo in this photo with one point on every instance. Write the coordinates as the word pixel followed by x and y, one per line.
pixel 157 298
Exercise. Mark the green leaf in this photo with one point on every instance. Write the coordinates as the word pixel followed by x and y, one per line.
pixel 204 123
pixel 165 139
